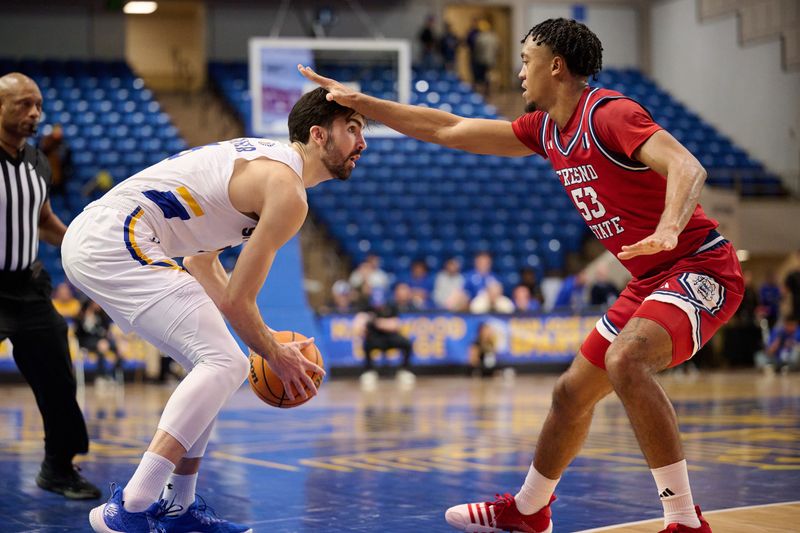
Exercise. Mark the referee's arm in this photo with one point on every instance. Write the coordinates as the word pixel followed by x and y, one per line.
pixel 51 229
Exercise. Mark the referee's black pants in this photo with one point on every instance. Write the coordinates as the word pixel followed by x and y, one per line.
pixel 41 352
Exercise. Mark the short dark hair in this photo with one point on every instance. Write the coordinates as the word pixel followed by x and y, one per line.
pixel 574 41
pixel 313 109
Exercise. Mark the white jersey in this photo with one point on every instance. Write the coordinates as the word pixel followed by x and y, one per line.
pixel 184 199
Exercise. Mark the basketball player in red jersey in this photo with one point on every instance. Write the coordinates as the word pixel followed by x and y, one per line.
pixel 637 188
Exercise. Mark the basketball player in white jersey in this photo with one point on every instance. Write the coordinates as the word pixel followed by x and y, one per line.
pixel 119 251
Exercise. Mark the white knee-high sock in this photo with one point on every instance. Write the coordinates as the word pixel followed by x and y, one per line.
pixel 145 486
pixel 672 482
pixel 535 492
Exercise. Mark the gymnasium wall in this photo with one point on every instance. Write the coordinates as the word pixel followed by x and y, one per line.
pixel 742 91
pixel 40 30
pixel 616 26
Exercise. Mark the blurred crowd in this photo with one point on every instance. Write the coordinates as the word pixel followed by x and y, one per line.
pixel 94 338
pixel 482 44
pixel 765 330
pixel 477 290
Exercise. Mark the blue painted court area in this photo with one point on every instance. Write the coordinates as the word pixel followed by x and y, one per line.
pixel 394 459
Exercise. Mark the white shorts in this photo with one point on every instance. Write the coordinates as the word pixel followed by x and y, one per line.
pixel 116 260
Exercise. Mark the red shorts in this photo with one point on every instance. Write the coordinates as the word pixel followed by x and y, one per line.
pixel 691 300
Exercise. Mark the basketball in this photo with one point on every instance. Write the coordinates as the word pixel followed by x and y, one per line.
pixel 268 386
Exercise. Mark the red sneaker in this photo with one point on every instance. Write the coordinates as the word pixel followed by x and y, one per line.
pixel 680 528
pixel 499 515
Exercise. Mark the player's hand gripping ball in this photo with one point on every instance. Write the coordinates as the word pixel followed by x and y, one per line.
pixel 268 386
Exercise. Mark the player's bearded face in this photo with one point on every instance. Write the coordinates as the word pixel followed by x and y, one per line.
pixel 337 163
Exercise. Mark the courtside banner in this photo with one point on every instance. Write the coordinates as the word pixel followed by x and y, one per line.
pixel 445 338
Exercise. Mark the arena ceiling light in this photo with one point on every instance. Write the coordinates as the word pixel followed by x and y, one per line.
pixel 140 8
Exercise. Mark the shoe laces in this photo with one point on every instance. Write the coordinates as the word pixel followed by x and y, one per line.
pixel 204 513
pixel 167 510
pixel 501 502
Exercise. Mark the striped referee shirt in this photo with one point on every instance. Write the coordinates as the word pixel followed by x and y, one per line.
pixel 25 188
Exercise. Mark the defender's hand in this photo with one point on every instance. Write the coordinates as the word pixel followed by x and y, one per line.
pixel 291 366
pixel 661 240
pixel 336 91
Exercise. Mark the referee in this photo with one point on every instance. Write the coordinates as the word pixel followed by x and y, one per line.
pixel 27 315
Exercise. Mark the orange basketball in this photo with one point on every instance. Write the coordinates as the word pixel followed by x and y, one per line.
pixel 266 383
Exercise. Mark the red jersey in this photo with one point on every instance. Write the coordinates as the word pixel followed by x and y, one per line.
pixel 620 198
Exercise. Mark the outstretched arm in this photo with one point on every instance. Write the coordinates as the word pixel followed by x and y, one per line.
pixel 480 136
pixel 685 178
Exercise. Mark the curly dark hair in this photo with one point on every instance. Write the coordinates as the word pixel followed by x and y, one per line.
pixel 574 41
pixel 313 109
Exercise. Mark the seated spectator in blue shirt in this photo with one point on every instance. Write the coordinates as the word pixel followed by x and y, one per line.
pixel 523 302
pixel 783 348
pixel 572 294
pixel 769 297
pixel 421 284
pixel 477 279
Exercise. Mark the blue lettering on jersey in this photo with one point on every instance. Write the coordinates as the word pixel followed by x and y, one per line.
pixel 243 145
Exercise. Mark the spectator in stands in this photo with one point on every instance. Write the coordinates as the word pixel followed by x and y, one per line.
pixel 59 156
pixel 491 300
pixel 527 277
pixel 404 299
pixel 472 37
pixel 769 298
pixel 382 333
pixel 429 42
pixel 102 182
pixel 572 294
pixel 27 316
pixel 742 336
pixel 370 273
pixel 480 276
pixel 792 285
pixel 421 284
pixel 523 302
pixel 448 45
pixel 603 293
pixel 448 288
pixel 551 287
pixel 487 46
pixel 93 330
pixel 65 302
pixel 783 348
pixel 341 297
pixel 483 352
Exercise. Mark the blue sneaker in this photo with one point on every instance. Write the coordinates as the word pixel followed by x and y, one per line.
pixel 200 518
pixel 111 517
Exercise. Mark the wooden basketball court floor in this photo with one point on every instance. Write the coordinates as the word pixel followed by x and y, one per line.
pixel 392 460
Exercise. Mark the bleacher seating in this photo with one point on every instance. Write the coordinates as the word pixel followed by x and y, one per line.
pixel 409 199
pixel 111 121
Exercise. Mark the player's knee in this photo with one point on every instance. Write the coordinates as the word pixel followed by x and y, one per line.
pixel 239 367
pixel 624 364
pixel 566 401
pixel 230 369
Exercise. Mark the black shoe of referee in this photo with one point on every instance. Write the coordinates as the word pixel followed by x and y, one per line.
pixel 69 483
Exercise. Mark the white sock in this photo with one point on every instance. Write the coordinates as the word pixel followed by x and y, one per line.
pixel 147 482
pixel 535 492
pixel 180 491
pixel 676 494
